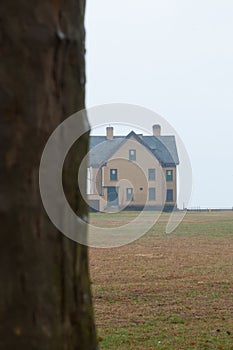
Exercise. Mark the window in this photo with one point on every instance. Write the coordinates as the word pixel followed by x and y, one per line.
pixel 132 154
pixel 151 174
pixel 169 175
pixel 113 174
pixel 169 195
pixel 129 194
pixel 152 194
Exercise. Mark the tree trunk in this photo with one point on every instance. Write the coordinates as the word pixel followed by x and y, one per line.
pixel 45 300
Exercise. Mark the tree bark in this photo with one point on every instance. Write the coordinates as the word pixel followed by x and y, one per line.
pixel 45 299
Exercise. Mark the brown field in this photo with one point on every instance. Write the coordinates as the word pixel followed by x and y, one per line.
pixel 166 291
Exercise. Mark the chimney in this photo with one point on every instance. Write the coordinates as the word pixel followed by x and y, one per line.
pixel 109 133
pixel 156 130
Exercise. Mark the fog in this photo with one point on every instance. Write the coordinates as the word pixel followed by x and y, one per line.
pixel 175 58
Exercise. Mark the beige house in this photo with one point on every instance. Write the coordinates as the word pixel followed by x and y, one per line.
pixel 132 172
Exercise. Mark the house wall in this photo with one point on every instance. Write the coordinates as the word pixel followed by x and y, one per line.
pixel 95 183
pixel 135 174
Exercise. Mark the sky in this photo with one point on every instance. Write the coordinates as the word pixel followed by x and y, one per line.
pixel 175 58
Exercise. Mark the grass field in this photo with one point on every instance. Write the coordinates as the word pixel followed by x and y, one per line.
pixel 166 291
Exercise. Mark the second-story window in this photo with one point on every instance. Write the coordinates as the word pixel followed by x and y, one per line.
pixel 169 175
pixel 113 174
pixel 151 174
pixel 132 154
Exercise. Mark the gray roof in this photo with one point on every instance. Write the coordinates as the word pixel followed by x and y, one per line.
pixel 163 147
pixel 101 149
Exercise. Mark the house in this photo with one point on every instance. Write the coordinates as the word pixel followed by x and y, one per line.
pixel 132 172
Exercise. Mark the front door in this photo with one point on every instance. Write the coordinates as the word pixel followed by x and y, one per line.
pixel 112 195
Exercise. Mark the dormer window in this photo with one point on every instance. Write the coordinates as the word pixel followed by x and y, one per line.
pixel 132 154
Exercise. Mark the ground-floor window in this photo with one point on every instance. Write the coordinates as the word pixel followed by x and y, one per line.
pixel 152 194
pixel 129 194
pixel 169 195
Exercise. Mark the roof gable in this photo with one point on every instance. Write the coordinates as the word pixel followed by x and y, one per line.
pixel 162 147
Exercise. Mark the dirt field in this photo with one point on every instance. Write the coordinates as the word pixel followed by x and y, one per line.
pixel 166 291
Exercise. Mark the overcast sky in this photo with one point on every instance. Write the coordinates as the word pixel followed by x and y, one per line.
pixel 174 57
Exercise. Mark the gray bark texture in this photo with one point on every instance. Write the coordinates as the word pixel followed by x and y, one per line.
pixel 45 299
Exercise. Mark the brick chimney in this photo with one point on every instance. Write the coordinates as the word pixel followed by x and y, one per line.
pixel 156 130
pixel 109 133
